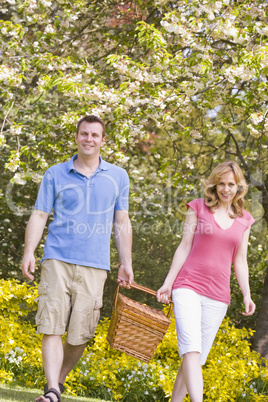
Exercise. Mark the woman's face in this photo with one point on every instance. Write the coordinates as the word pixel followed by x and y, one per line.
pixel 226 188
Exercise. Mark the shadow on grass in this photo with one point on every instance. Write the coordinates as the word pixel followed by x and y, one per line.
pixel 16 394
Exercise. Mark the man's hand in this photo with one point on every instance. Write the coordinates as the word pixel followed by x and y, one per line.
pixel 125 276
pixel 28 266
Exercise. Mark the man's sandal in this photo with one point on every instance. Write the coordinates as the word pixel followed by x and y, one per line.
pixel 52 391
pixel 61 387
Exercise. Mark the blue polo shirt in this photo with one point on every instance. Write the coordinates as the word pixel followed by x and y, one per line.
pixel 84 208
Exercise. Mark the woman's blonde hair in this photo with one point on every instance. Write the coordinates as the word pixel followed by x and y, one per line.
pixel 211 197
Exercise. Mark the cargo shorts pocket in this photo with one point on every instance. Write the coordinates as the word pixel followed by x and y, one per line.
pixel 96 313
pixel 98 303
pixel 94 319
pixel 42 293
pixel 83 322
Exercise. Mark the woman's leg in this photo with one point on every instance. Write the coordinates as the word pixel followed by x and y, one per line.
pixel 192 374
pixel 213 313
pixel 179 390
pixel 189 378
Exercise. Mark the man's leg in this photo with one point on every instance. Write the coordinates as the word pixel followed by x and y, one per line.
pixel 87 292
pixel 52 353
pixel 72 355
pixel 58 361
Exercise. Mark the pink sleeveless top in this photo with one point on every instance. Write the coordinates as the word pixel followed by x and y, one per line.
pixel 207 269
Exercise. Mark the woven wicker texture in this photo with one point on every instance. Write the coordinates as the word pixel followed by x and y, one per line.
pixel 135 328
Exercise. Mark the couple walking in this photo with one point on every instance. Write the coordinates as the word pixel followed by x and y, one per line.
pixel 88 196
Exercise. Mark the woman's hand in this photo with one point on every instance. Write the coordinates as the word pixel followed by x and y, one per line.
pixel 250 306
pixel 163 294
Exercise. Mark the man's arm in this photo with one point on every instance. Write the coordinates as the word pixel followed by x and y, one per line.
pixel 123 238
pixel 33 235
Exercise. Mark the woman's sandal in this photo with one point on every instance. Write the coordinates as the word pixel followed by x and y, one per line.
pixel 52 391
pixel 61 387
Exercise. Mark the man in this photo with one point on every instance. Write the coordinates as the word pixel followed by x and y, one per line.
pixel 88 195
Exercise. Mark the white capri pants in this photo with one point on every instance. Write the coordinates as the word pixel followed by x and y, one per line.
pixel 198 319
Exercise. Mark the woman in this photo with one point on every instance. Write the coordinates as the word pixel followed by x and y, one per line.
pixel 215 235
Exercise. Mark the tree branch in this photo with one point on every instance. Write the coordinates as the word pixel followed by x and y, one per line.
pixel 258 185
pixel 4 121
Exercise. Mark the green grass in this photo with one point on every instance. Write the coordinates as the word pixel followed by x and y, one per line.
pixel 16 394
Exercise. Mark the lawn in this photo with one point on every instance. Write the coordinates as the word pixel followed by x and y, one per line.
pixel 15 394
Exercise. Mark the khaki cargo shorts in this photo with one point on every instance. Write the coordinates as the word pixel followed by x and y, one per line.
pixel 69 299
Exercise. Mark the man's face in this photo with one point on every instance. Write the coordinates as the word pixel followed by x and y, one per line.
pixel 89 139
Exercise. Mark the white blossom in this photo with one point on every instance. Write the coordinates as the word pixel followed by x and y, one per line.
pixel 254 132
pixel 46 3
pixel 262 30
pixel 18 179
pixel 42 81
pixel 218 5
pixel 15 130
pixel 256 118
pixel 36 177
pixel 211 15
pixel 5 72
pixel 243 72
pixel 195 134
pixel 49 29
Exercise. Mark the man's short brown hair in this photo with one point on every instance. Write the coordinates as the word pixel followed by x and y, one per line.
pixel 91 118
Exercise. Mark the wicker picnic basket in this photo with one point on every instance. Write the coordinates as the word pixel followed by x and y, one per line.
pixel 135 328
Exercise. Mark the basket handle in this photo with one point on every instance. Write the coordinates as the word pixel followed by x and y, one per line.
pixel 146 290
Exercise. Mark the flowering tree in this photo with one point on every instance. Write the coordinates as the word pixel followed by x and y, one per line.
pixel 181 86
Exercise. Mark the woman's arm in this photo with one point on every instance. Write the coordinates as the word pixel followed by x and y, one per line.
pixel 180 256
pixel 242 274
